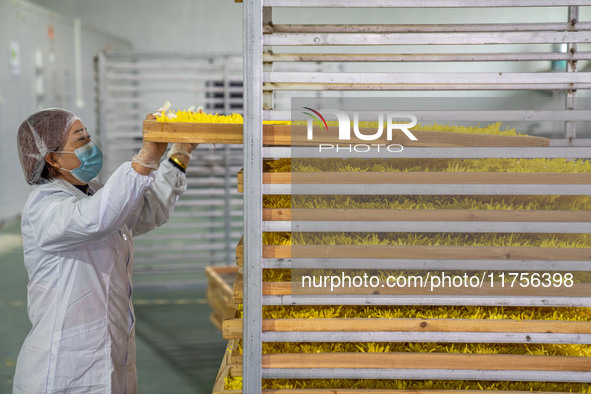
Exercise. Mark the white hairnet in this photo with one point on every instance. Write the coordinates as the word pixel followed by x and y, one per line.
pixel 39 134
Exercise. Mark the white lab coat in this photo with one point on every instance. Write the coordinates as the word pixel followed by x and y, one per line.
pixel 78 253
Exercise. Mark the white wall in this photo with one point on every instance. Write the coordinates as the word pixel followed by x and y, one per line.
pixel 213 26
pixel 21 94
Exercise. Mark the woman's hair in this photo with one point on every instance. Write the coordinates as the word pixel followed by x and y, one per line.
pixel 40 134
pixel 49 172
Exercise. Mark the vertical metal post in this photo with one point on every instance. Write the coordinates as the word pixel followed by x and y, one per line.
pixel 211 61
pixel 136 92
pixel 78 63
pixel 227 190
pixel 571 66
pixel 228 259
pixel 268 104
pixel 253 210
pixel 101 111
pixel 226 85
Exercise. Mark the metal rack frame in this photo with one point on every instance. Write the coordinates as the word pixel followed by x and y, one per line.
pixel 261 81
pixel 253 195
pixel 130 85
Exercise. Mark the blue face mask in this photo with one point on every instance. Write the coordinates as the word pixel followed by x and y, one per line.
pixel 91 159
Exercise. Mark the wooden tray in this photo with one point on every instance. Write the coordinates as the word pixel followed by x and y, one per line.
pixel 220 281
pixel 420 252
pixel 281 135
pixel 224 371
pixel 233 326
pixel 468 215
pixel 440 178
pixel 287 289
pixel 434 361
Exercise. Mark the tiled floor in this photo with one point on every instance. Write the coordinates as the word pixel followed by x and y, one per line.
pixel 178 349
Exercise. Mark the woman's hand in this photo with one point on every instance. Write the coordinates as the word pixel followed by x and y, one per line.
pixel 181 151
pixel 154 150
pixel 182 148
pixel 148 157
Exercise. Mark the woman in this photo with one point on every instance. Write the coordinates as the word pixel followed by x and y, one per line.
pixel 78 251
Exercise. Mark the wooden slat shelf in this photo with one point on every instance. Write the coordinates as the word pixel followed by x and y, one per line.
pixel 279 85
pixel 286 135
pixel 417 57
pixel 232 328
pixel 376 178
pixel 408 28
pixel 286 289
pixel 441 361
pixel 379 215
pixel 420 252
